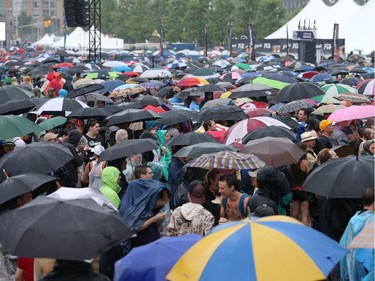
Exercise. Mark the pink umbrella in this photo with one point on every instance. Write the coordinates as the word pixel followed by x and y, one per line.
pixel 353 112
pixel 240 129
pixel 259 112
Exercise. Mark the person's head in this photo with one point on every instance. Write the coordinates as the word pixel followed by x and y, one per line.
pixel 143 172
pixel 271 181
pixel 228 184
pixel 100 103
pixel 327 126
pixel 209 125
pixel 26 79
pixel 326 154
pixel 308 138
pixel 121 135
pixel 111 177
pixel 368 134
pixel 253 177
pixel 62 93
pixel 211 180
pixel 208 96
pixel 63 134
pixel 163 136
pixel 196 192
pixel 93 127
pixel 9 146
pixel 303 114
pixel 368 198
pixel 24 199
pixel 50 137
pixel 368 148
pixel 74 137
pixel 97 150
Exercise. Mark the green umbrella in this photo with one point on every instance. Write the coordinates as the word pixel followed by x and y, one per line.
pixel 271 83
pixel 243 66
pixel 327 98
pixel 102 75
pixel 336 89
pixel 52 123
pixel 196 150
pixel 16 126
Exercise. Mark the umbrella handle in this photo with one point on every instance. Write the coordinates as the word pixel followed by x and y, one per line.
pixel 5 173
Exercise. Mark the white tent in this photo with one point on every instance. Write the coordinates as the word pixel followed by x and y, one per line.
pixel 45 41
pixel 352 19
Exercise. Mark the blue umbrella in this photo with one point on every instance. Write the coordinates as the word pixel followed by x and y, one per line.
pixel 123 68
pixel 110 85
pixel 322 77
pixel 154 260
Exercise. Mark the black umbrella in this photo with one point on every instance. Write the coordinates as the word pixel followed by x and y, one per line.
pixel 172 117
pixel 191 138
pixel 298 91
pixel 210 88
pixel 351 81
pixel 8 93
pixel 40 71
pixel 230 112
pixel 168 90
pixel 16 107
pixel 252 91
pixel 342 177
pixel 279 77
pixel 271 131
pixel 85 89
pixel 130 115
pixel 97 113
pixel 12 187
pixel 62 229
pixel 128 148
pixel 38 157
pixel 189 92
pixel 149 100
pixel 287 121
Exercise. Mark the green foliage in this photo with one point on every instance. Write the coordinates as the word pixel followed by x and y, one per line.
pixel 184 20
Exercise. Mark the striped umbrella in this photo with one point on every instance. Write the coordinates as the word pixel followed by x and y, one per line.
pixel 366 87
pixel 191 81
pixel 227 160
pixel 337 89
pixel 271 248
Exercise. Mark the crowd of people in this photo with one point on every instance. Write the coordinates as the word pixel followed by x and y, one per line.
pixel 158 195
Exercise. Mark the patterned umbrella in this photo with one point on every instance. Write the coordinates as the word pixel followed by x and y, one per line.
pixel 354 98
pixel 125 91
pixel 326 109
pixel 256 250
pixel 227 160
pixel 293 106
pixel 191 81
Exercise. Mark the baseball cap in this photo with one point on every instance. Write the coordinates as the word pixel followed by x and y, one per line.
pixel 197 192
pixel 325 123
pixel 98 149
pixel 50 136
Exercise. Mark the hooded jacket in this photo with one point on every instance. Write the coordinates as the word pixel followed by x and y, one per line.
pixel 165 159
pixel 110 188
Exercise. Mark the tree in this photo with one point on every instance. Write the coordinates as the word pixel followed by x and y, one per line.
pixel 270 17
pixel 25 26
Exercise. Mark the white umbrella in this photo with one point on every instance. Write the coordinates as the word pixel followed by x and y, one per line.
pixel 156 73
pixel 59 106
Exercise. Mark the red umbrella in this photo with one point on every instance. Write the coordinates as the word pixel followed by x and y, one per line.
pixel 259 112
pixel 191 81
pixel 260 104
pixel 131 74
pixel 308 74
pixel 217 134
pixel 63 65
pixel 154 109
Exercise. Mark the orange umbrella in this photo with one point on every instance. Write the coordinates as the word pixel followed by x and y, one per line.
pixel 191 81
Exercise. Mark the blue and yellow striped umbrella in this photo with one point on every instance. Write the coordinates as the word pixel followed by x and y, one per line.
pixel 268 249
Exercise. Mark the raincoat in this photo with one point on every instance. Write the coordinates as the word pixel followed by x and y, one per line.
pixel 110 187
pixel 165 159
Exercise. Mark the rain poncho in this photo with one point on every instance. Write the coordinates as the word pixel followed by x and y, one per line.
pixel 359 263
pixel 110 187
pixel 165 159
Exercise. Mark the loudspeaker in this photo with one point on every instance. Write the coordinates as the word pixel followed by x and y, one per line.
pixel 77 12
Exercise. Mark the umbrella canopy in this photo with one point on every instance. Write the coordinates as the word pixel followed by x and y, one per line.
pixel 149 100
pixel 230 77
pixel 16 126
pixel 157 257
pixel 293 106
pixel 172 117
pixel 354 98
pixel 343 177
pixel 130 115
pixel 53 122
pixel 81 82
pixel 271 131
pixel 15 186
pixel 191 138
pixel 53 224
pixel 252 91
pixel 274 151
pixel 128 148
pixel 365 238
pixel 218 102
pixel 196 150
pixel 59 106
pixel 353 112
pixel 191 81
pixel 229 160
pixel 69 193
pixel 16 107
pixel 289 121
pixel 239 130
pixel 8 93
pixel 351 81
pixel 110 85
pixel 127 89
pixel 366 87
pixel 102 74
pixel 259 112
pixel 322 77
pixel 256 249
pixel 230 112
pixel 275 84
pixel 156 74
pixel 97 113
pixel 337 89
pixel 85 89
pixel 38 157
pixel 298 91
pixel 327 109
pixel 210 88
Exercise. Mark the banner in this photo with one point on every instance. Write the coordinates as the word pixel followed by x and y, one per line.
pixel 335 42
pixel 250 54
